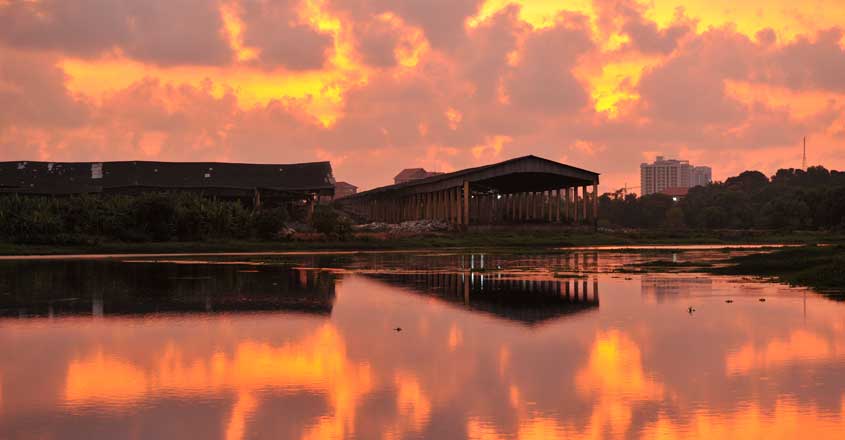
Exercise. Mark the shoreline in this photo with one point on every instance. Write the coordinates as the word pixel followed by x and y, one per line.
pixel 510 241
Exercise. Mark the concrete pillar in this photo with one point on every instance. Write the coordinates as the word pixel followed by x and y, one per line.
pixel 575 216
pixel 532 207
pixel 586 203
pixel 447 195
pixel 511 208
pixel 466 202
pixel 459 218
pixel 595 204
pixel 557 205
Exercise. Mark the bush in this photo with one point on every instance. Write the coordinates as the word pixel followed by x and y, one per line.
pixel 136 218
pixel 156 216
pixel 268 222
pixel 330 222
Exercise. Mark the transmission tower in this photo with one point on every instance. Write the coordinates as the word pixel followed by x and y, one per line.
pixel 804 159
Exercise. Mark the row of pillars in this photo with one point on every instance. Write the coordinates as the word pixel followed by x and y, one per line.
pixel 460 206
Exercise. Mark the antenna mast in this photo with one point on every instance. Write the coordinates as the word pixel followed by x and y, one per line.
pixel 804 160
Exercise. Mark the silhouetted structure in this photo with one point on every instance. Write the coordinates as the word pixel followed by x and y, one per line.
pixel 409 174
pixel 524 189
pixel 529 301
pixel 74 287
pixel 344 189
pixel 257 182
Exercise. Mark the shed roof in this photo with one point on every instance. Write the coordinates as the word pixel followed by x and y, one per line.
pixel 526 173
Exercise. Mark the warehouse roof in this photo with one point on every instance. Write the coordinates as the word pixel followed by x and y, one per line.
pixel 87 177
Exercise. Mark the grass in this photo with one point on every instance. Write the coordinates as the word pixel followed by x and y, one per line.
pixel 819 267
pixel 510 241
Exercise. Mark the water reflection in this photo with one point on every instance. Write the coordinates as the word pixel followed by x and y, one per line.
pixel 522 299
pixel 631 367
pixel 57 288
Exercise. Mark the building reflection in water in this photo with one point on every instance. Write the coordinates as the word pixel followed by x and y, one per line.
pixel 56 288
pixel 299 375
pixel 519 298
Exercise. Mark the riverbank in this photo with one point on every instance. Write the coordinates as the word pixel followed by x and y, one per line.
pixel 512 241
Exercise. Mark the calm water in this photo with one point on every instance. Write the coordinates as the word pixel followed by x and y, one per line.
pixel 299 347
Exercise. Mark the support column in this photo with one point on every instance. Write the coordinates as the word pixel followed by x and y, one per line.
pixel 596 204
pixel 447 196
pixel 531 207
pixel 586 203
pixel 457 192
pixel 466 202
pixel 557 205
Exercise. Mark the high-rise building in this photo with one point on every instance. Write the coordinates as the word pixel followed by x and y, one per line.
pixel 702 176
pixel 666 174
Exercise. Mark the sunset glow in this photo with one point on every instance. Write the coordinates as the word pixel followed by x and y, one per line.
pixel 444 86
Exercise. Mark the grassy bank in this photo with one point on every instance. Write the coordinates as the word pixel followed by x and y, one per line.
pixel 522 241
pixel 819 267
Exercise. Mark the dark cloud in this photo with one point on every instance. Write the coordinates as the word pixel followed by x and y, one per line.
pixel 163 32
pixel 275 28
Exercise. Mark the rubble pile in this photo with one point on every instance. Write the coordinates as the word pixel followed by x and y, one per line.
pixel 408 227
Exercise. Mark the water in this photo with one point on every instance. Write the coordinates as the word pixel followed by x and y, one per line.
pixel 404 345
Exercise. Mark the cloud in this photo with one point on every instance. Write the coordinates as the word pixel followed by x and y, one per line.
pixel 543 79
pixel 810 64
pixel 162 32
pixel 283 38
pixel 442 21
pixel 689 88
pixel 33 93
pixel 412 83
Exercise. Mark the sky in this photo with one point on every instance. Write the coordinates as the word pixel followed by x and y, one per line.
pixel 376 86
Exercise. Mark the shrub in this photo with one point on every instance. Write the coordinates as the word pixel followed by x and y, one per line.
pixel 330 222
pixel 268 222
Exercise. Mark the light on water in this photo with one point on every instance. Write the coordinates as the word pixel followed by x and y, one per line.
pixel 376 346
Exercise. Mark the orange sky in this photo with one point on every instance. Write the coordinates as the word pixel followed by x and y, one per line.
pixel 380 85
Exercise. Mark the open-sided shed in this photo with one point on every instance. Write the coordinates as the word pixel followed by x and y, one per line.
pixel 524 189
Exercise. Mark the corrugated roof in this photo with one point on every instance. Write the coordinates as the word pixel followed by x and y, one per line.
pixel 80 177
pixel 445 176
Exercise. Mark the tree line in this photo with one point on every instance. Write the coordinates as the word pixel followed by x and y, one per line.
pixel 791 199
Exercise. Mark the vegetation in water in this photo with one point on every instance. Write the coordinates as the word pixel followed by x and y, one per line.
pixel 819 267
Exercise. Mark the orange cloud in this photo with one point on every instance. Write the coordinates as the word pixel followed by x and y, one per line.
pixel 298 80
